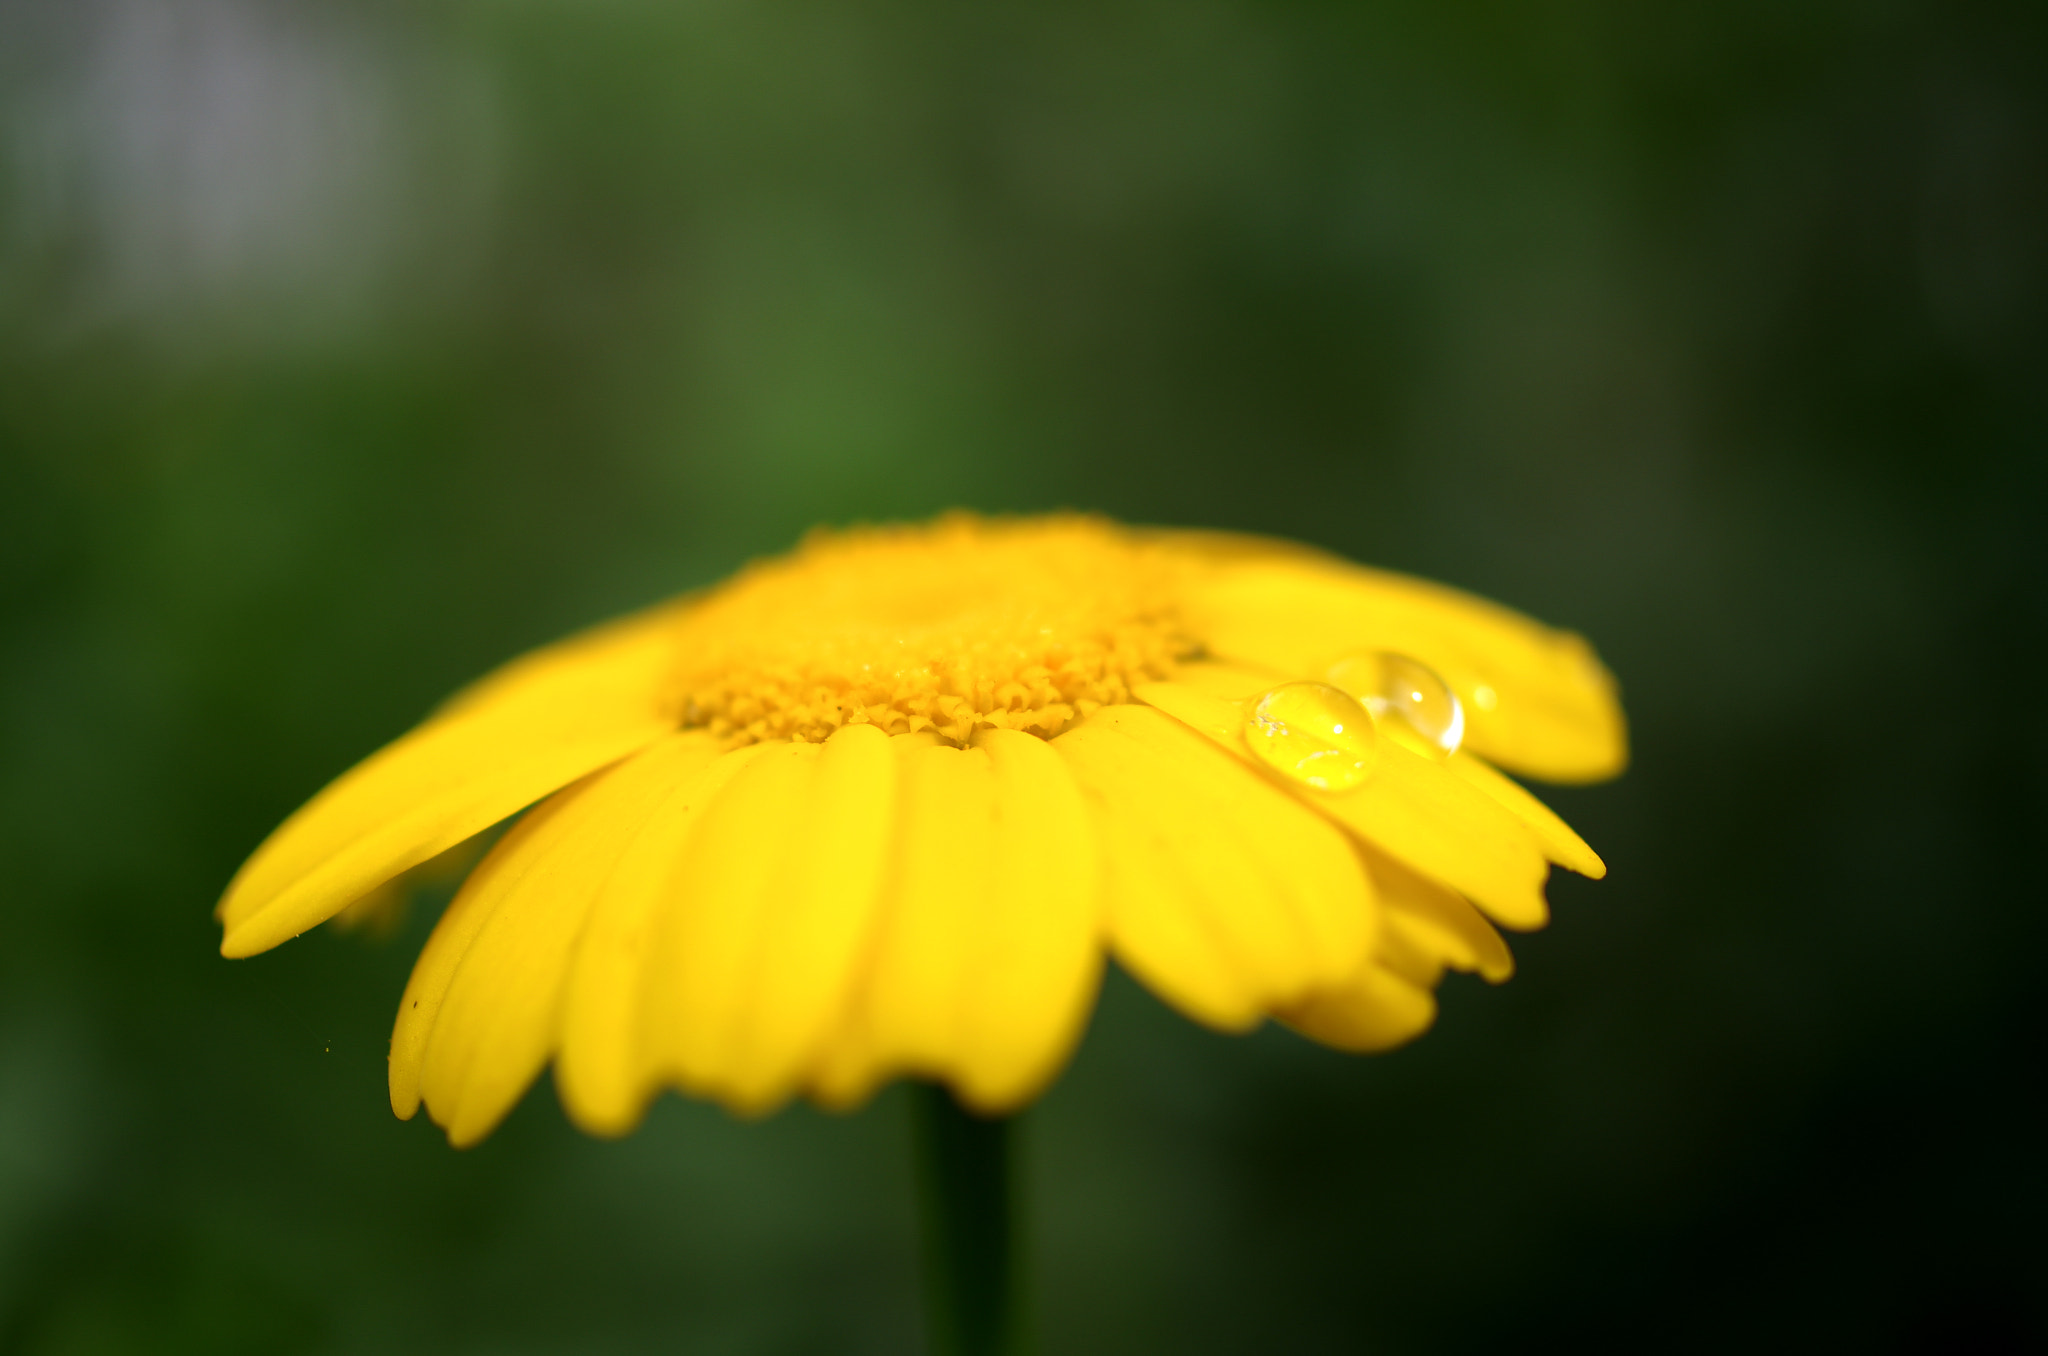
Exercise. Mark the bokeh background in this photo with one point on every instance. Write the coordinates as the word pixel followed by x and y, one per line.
pixel 348 349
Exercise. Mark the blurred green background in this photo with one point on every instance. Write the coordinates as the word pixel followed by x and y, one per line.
pixel 346 350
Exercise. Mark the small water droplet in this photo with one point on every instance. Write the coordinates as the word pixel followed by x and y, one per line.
pixel 1387 682
pixel 1314 733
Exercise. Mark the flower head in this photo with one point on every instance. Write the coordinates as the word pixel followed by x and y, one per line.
pixel 881 807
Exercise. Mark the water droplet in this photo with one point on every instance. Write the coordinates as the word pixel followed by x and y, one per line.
pixel 1314 733
pixel 1387 682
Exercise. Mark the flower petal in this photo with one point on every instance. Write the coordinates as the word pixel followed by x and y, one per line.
pixel 603 1070
pixel 1374 1009
pixel 1560 843
pixel 989 952
pixel 1042 958
pixel 478 1048
pixel 1440 825
pixel 773 902
pixel 1536 700
pixel 1437 921
pixel 1224 894
pixel 449 942
pixel 905 1016
pixel 1432 819
pixel 532 728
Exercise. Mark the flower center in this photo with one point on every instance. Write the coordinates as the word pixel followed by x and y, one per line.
pixel 1023 624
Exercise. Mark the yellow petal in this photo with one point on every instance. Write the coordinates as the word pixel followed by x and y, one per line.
pixel 1374 1009
pixel 1437 823
pixel 988 954
pixel 1227 683
pixel 1436 920
pixel 774 900
pixel 1393 951
pixel 604 1071
pixel 1389 1000
pixel 651 633
pixel 382 912
pixel 1537 700
pixel 449 942
pixel 1042 956
pixel 1215 678
pixel 1411 807
pixel 905 1016
pixel 1224 894
pixel 1560 843
pixel 820 914
pixel 534 727
pixel 494 1026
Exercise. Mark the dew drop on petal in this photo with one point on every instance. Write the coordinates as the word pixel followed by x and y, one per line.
pixel 1315 734
pixel 1391 683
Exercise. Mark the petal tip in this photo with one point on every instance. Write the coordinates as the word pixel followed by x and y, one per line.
pixel 240 943
pixel 602 1115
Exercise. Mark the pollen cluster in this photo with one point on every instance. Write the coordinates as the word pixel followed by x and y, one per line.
pixel 946 627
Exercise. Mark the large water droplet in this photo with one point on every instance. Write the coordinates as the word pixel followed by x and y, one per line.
pixel 1314 733
pixel 1390 683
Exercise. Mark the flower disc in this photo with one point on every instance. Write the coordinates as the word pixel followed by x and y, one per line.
pixel 961 625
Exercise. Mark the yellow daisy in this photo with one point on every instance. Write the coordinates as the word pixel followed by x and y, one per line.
pixel 880 807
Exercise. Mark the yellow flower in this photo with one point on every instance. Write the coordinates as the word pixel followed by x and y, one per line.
pixel 880 807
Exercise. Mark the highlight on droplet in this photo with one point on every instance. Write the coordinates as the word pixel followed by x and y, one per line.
pixel 1318 735
pixel 1387 682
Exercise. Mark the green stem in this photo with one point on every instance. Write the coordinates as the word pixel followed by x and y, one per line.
pixel 967 1193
